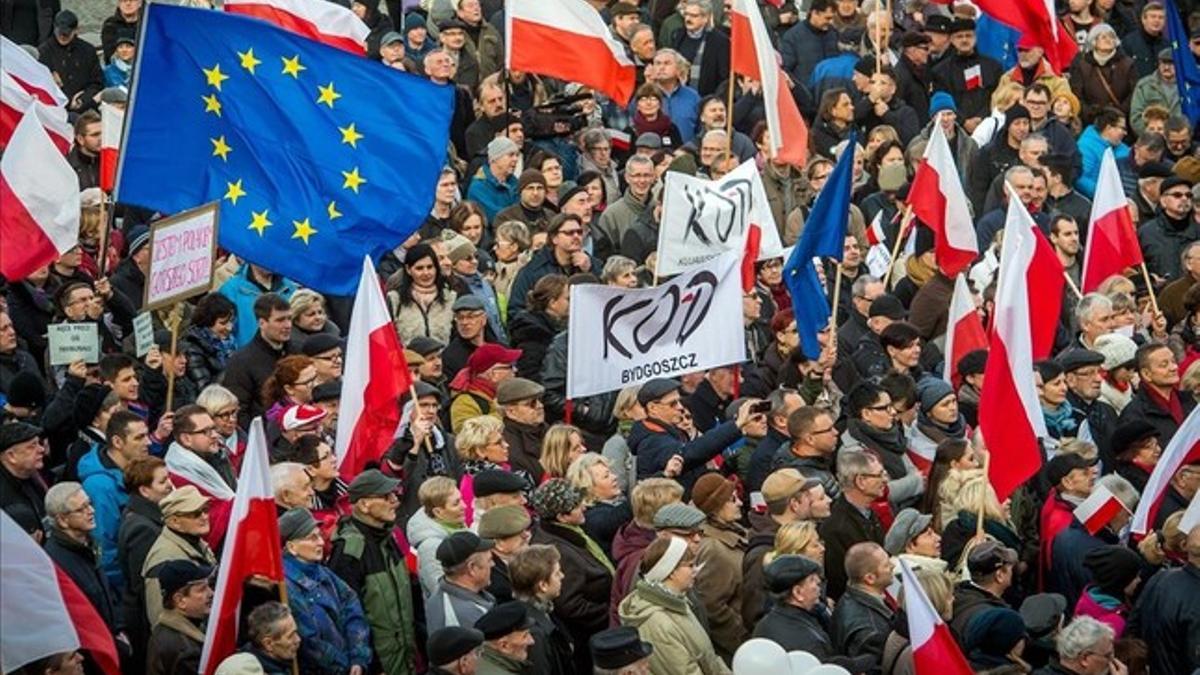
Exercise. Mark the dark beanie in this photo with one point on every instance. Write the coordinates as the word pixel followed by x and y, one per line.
pixel 1017 112
pixel 995 631
pixel 530 177
pixel 89 402
pixel 27 390
pixel 1112 568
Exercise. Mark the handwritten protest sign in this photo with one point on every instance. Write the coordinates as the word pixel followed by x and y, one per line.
pixel 182 252
pixel 74 342
pixel 143 333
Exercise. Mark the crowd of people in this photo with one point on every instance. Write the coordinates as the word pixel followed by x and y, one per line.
pixel 655 529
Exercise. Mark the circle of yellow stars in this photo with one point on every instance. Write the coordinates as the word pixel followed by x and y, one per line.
pixel 326 95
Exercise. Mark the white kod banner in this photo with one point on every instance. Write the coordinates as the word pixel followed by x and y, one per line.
pixel 620 337
pixel 702 219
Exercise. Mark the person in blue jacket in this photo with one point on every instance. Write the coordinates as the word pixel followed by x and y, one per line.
pixel 495 186
pixel 101 472
pixel 1107 130
pixel 243 288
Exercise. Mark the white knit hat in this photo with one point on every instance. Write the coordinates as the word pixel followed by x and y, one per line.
pixel 1117 349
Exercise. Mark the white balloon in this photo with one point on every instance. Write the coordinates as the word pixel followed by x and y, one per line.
pixel 758 656
pixel 802 662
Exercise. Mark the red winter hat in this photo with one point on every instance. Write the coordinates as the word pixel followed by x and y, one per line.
pixel 301 415
pixel 485 356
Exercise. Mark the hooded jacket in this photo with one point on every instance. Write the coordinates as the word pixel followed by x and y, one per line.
pixel 662 618
pixel 105 485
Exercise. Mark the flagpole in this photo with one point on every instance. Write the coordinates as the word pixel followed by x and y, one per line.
pixel 837 292
pixel 987 459
pixel 1071 283
pixel 173 322
pixel 102 250
pixel 878 49
pixel 1150 289
pixel 904 222
pixel 283 598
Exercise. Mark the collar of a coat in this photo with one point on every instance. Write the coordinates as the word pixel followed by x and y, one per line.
pixel 732 535
pixel 175 620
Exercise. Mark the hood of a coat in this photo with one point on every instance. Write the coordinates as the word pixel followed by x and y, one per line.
pixel 648 600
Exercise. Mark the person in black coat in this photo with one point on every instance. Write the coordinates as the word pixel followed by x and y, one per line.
pixel 250 366
pixel 1167 613
pixel 31 308
pixel 533 570
pixel 1158 399
pixel 74 61
pixel 809 42
pixel 29 23
pixel 707 404
pixel 1144 43
pixel 992 567
pixel 973 96
pixel 851 521
pixel 545 316
pixel 69 544
pixel 21 457
pixel 912 72
pixel 862 620
pixel 141 523
pixel 882 106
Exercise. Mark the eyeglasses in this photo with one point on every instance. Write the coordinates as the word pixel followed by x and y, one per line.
pixel 571 233
pixel 227 414
pixel 203 511
pixel 1178 195
pixel 333 358
pixel 206 431
pixel 880 408
pixel 675 403
pixel 82 508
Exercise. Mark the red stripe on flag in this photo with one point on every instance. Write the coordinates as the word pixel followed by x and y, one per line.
pixel 389 379
pixel 108 168
pixel 94 635
pixel 1045 282
pixel 26 246
pixel 570 56
pixel 1014 444
pixel 296 24
pixel 1112 246
pixel 750 256
pixel 940 654
pixel 1103 515
pixel 929 205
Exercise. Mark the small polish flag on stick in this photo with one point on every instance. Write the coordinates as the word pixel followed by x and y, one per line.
pixel 112 121
pixel 1098 509
pixel 933 647
pixel 875 234
pixel 326 22
pixel 964 331
pixel 938 200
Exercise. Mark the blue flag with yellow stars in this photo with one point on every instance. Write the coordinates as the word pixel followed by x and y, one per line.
pixel 318 156
pixel 1187 74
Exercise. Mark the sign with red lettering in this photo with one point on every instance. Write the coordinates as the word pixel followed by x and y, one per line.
pixel 183 251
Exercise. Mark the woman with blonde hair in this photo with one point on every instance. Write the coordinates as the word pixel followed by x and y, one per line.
pixel 309 317
pixel 799 537
pixel 997 522
pixel 1006 95
pixel 605 509
pixel 441 514
pixel 562 444
pixel 481 447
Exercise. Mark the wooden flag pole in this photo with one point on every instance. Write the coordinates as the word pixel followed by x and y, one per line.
pixel 837 292
pixel 1071 283
pixel 173 321
pixel 904 222
pixel 102 247
pixel 1150 289
pixel 987 459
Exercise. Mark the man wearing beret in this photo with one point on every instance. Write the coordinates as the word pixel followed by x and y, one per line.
pixel 524 415
pixel 22 454
pixel 508 528
pixel 507 640
pixel 968 76
pixel 621 651
pixel 177 640
pixel 461 596
pixel 366 557
pixel 1082 369
pixel 454 650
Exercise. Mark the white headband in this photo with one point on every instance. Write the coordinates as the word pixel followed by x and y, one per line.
pixel 670 560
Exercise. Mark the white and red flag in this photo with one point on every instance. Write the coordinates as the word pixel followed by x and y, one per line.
pixel 42 610
pixel 569 40
pixel 39 201
pixel 326 22
pixel 751 55
pixel 30 74
pixel 934 649
pixel 938 200
pixel 112 121
pixel 252 549
pixel 1184 448
pixel 750 256
pixel 185 467
pixel 1112 243
pixel 15 100
pixel 375 377
pixel 1038 24
pixel 964 330
pixel 1098 509
pixel 1010 415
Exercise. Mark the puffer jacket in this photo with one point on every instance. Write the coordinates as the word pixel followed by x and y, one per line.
pixel 105 485
pixel 424 535
pixel 434 321
pixel 719 583
pixel 662 618
pixel 532 332
pixel 333 631
pixel 243 291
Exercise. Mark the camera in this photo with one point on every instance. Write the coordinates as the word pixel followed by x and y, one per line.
pixel 560 116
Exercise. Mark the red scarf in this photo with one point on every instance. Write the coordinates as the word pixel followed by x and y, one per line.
pixel 1172 405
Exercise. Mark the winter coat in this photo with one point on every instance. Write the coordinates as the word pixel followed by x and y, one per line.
pixel 204 366
pixel 785 188
pixel 845 527
pixel 552 652
pixel 418 467
pixel 662 618
pixel 592 414
pixel 247 370
pixel 616 220
pixel 759 541
pixel 27 492
pixel 719 584
pixel 492 662
pixel 105 485
pixel 532 333
pixel 654 443
pixel 77 67
pixel 424 535
pixel 821 468
pixel 824 136
pixel 797 629
pixel 243 291
pixel 454 605
pixel 170 545
pixel 369 561
pixel 583 603
pixel 1152 90
pixel 628 547
pixel 541 264
pixel 602 520
pixel 13 363
pixel 1088 78
pixel 81 563
pixel 141 523
pixel 333 631
pixel 1143 48
pixel 492 195
pixel 413 320
pixel 949 75
pixel 1142 407
pixel 803 47
pixel 641 239
pixel 31 310
pixel 1092 146
pixel 860 624
pixel 525 446
pixel 969 601
pixel 1161 241
pixel 930 307
pixel 1167 617
pixel 175 646
pixel 1104 608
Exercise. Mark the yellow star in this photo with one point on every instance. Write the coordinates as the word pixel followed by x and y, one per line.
pixel 292 66
pixel 248 60
pixel 259 222
pixel 334 214
pixel 214 76
pixel 304 230
pixel 212 105
pixel 234 192
pixel 353 180
pixel 350 135
pixel 328 95
pixel 220 148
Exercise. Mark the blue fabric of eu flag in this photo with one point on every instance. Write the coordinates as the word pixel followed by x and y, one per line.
pixel 824 235
pixel 318 156
pixel 1187 73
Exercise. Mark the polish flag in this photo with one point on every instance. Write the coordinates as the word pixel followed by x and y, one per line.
pixel 934 649
pixel 973 77
pixel 1191 517
pixel 15 100
pixel 39 201
pixel 1037 23
pixel 1010 415
pixel 1098 509
pixel 922 451
pixel 875 234
pixel 567 39
pixel 375 376
pixel 326 22
pixel 937 198
pixel 112 120
pixel 750 256
pixel 1183 449
pixel 30 74
pixel 964 332
pixel 751 55
pixel 185 467
pixel 252 549
pixel 1112 243
pixel 41 608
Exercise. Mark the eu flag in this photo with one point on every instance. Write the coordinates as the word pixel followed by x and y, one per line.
pixel 1187 74
pixel 317 156
pixel 824 235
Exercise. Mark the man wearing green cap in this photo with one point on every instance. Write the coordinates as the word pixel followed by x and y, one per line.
pixel 367 558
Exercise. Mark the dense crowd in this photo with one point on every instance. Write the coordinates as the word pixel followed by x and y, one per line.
pixel 658 528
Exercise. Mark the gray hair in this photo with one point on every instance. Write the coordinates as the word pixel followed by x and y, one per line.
pixel 851 465
pixel 1079 636
pixel 1098 30
pixel 616 265
pixel 516 232
pixel 637 159
pixel 58 497
pixel 263 621
pixel 1014 170
pixel 703 5
pixel 1122 489
pixel 680 62
pixel 285 476
pixel 1183 255
pixel 1089 303
pixel 1034 138
pixel 214 397
pixel 859 287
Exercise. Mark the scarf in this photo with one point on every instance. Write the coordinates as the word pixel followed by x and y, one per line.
pixel 592 547
pixel 220 349
pixel 1103 60
pixel 939 432
pixel 918 271
pixel 660 125
pixel 968 394
pixel 1171 406
pixel 1060 422
pixel 889 445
